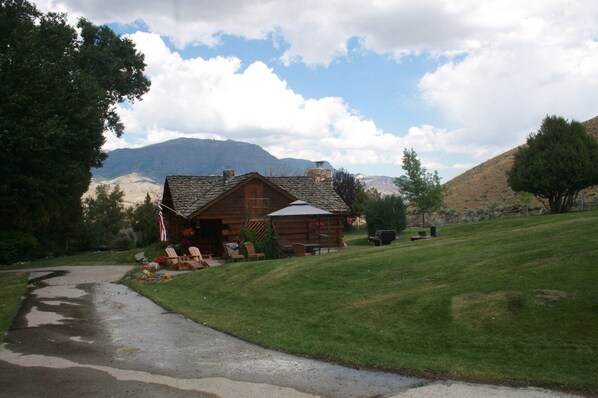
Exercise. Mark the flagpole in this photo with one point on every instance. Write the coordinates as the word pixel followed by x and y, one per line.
pixel 173 210
pixel 163 236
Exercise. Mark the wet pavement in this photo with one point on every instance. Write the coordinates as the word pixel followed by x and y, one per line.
pixel 80 334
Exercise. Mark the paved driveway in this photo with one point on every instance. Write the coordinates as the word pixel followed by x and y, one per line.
pixel 80 334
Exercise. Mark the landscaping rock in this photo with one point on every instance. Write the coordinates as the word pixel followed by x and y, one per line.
pixel 140 257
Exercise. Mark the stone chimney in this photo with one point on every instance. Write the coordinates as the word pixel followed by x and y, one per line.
pixel 320 174
pixel 227 174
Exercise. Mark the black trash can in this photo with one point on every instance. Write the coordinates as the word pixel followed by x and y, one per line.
pixel 433 231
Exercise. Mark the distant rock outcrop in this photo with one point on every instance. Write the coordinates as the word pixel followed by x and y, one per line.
pixel 135 187
pixel 384 185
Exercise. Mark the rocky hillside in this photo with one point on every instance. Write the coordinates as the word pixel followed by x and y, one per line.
pixel 135 187
pixel 384 185
pixel 485 185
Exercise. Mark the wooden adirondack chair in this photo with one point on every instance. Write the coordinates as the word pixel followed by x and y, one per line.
pixel 251 252
pixel 233 254
pixel 195 254
pixel 178 262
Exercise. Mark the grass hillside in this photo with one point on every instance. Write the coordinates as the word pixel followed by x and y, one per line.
pixel 13 288
pixel 510 301
pixel 486 184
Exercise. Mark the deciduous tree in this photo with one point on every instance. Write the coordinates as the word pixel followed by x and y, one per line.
pixel 104 215
pixel 59 89
pixel 421 189
pixel 348 188
pixel 559 160
pixel 144 220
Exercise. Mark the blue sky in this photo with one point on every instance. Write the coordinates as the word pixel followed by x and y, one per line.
pixel 375 85
pixel 355 82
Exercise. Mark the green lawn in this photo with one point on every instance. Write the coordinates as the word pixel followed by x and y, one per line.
pixel 91 258
pixel 111 257
pixel 509 301
pixel 13 287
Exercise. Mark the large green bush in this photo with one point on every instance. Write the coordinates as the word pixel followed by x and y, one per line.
pixel 15 246
pixel 388 212
pixel 559 160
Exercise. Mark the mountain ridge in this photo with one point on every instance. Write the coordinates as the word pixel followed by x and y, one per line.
pixel 192 156
pixel 484 186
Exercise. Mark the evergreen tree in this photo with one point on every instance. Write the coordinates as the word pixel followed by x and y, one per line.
pixel 144 220
pixel 559 160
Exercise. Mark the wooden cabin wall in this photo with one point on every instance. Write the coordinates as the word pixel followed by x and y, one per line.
pixel 233 211
pixel 303 229
pixel 277 200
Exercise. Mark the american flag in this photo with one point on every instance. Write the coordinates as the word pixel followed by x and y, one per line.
pixel 163 237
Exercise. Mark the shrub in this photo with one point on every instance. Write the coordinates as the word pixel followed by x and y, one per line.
pixel 266 246
pixel 16 246
pixel 124 240
pixel 386 213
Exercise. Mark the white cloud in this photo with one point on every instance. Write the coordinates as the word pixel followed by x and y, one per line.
pixel 217 98
pixel 502 66
pixel 316 31
pixel 543 64
pixel 494 93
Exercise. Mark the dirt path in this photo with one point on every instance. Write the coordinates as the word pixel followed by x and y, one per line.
pixel 78 334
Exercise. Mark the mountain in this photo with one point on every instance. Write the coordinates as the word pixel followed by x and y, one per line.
pixel 139 171
pixel 135 186
pixel 384 185
pixel 486 184
pixel 190 156
pixel 142 170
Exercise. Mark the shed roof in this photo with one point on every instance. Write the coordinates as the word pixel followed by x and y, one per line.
pixel 299 208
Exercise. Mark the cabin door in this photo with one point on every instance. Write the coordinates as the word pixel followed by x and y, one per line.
pixel 209 236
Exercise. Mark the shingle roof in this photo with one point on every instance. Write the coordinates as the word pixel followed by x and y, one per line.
pixel 191 193
pixel 318 195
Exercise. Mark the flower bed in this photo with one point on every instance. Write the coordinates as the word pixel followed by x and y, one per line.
pixel 148 274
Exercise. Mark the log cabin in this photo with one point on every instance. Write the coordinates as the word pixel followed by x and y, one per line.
pixel 210 211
